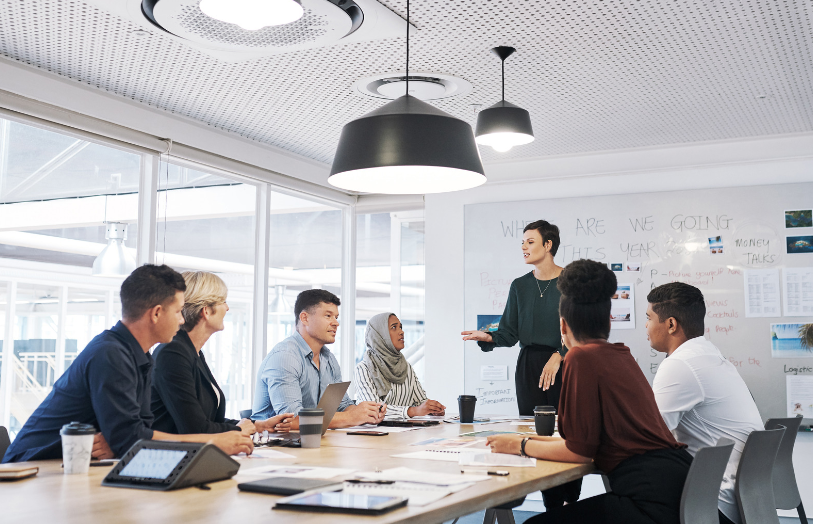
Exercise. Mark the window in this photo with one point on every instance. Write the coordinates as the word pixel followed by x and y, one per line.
pixel 206 222
pixel 305 252
pixel 56 193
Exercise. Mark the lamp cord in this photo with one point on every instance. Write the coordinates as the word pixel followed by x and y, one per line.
pixel 503 79
pixel 407 51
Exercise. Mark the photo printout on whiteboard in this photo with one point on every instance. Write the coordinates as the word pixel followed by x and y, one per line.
pixel 800 395
pixel 798 291
pixel 623 307
pixel 799 218
pixel 799 245
pixel 762 293
pixel 792 340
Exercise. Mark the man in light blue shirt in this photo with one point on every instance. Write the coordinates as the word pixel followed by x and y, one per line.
pixel 296 372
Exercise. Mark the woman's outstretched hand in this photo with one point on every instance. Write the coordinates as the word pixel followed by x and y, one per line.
pixel 480 336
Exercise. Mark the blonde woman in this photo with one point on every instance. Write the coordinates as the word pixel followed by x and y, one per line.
pixel 185 395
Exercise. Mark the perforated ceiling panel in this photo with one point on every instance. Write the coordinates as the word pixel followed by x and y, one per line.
pixel 595 75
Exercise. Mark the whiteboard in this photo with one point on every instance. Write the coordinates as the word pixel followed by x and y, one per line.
pixel 671 236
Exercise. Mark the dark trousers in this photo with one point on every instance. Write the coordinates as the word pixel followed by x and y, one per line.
pixel 531 361
pixel 723 518
pixel 646 490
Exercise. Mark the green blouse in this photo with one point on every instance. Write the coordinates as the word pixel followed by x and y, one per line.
pixel 529 318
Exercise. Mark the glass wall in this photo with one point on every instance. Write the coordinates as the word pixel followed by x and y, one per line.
pixel 56 193
pixel 305 252
pixel 206 222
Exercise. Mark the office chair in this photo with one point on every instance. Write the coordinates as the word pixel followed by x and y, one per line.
pixel 698 504
pixel 754 485
pixel 785 489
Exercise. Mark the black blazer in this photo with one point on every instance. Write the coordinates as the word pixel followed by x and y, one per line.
pixel 183 400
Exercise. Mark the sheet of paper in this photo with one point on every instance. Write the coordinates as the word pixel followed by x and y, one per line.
pixel 302 472
pixel 417 494
pixel 265 453
pixel 404 474
pixel 798 291
pixel 800 395
pixel 429 417
pixel 762 293
pixel 443 455
pixel 493 373
pixel 496 459
pixel 448 443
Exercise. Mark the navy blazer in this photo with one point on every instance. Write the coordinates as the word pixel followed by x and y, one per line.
pixel 183 400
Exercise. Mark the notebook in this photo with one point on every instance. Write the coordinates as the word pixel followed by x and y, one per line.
pixel 416 494
pixel 17 472
pixel 285 485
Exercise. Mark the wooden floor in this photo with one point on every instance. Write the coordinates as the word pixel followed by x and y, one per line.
pixel 80 499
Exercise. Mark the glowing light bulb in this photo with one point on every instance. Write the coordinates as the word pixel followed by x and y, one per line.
pixel 503 142
pixel 252 15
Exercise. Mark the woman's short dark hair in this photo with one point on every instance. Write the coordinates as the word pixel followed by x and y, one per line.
pixel 587 287
pixel 146 287
pixel 682 302
pixel 310 298
pixel 548 232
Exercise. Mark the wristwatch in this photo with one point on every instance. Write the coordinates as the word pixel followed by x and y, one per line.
pixel 522 446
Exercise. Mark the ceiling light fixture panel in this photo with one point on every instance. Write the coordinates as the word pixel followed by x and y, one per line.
pixel 323 23
pixel 253 15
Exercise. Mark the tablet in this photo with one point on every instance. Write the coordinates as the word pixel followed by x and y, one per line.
pixel 340 502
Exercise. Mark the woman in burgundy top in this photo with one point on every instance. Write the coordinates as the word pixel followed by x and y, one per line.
pixel 607 414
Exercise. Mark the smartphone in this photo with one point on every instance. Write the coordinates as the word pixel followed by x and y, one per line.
pixel 371 433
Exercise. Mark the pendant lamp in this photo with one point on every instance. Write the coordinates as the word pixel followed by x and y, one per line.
pixel 504 125
pixel 114 260
pixel 406 147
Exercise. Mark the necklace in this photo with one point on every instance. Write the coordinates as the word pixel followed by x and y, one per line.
pixel 541 293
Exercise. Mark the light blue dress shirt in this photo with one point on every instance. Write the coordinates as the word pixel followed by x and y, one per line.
pixel 289 380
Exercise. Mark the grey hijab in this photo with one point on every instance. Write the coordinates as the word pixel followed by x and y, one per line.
pixel 386 364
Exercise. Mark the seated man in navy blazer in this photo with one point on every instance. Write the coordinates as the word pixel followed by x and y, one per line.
pixel 108 385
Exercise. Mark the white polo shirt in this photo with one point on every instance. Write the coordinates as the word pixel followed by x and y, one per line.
pixel 702 399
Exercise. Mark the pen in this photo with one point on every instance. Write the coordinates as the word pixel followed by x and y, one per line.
pixel 497 473
pixel 364 481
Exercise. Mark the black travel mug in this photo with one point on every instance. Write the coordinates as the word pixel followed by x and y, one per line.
pixel 466 404
pixel 545 420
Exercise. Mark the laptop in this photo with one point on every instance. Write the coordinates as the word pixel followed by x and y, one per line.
pixel 330 401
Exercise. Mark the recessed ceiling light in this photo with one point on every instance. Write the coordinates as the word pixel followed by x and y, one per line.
pixel 252 15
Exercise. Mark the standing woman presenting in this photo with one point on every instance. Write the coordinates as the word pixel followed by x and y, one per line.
pixel 531 317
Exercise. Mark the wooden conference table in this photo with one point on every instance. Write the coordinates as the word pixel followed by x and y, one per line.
pixel 52 496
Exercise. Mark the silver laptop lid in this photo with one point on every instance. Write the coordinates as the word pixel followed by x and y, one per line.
pixel 330 401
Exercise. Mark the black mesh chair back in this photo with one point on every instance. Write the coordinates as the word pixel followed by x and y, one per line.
pixel 785 490
pixel 698 505
pixel 5 441
pixel 754 486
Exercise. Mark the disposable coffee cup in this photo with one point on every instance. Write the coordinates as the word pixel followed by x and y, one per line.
pixel 77 445
pixel 545 420
pixel 310 427
pixel 466 404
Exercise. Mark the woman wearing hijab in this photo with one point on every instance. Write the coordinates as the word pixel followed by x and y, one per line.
pixel 385 375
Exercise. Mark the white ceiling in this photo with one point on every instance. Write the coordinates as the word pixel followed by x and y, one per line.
pixel 595 75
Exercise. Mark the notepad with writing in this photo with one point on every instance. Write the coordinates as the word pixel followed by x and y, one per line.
pixel 496 459
pixel 445 455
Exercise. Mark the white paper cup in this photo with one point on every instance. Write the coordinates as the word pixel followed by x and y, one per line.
pixel 310 427
pixel 77 445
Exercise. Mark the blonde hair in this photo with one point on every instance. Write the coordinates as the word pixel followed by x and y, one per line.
pixel 202 290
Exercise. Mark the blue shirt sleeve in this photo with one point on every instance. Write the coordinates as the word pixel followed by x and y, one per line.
pixel 281 374
pixel 113 385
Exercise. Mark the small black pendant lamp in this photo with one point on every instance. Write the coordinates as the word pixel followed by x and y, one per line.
pixel 406 147
pixel 504 125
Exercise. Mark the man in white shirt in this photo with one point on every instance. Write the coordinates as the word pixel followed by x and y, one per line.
pixel 700 395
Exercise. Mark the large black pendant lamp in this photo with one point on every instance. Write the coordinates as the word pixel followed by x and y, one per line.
pixel 407 147
pixel 504 125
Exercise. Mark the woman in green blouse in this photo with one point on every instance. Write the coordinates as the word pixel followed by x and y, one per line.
pixel 531 317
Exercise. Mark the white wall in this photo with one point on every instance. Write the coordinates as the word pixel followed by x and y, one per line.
pixel 776 160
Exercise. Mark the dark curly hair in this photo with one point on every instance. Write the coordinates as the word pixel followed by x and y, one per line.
pixel 548 232
pixel 587 287
pixel 682 302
